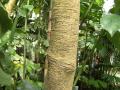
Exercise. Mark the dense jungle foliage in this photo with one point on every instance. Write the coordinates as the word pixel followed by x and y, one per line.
pixel 24 41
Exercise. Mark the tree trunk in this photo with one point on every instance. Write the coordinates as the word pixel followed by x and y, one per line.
pixel 63 45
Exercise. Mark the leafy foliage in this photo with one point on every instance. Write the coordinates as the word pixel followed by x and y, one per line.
pixel 23 45
pixel 24 41
pixel 98 52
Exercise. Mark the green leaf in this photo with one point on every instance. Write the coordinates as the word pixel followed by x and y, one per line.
pixel 102 83
pixel 116 8
pixel 111 23
pixel 5 79
pixel 25 9
pixel 5 21
pixel 28 7
pixel 22 12
pixel 46 43
pixel 93 82
pixel 26 85
pixel 103 52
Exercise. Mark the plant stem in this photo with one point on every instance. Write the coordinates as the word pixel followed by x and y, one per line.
pixel 25 63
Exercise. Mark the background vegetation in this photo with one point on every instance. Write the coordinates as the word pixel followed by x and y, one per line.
pixel 24 41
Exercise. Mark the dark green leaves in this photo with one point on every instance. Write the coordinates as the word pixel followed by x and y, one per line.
pixel 5 21
pixel 116 40
pixel 111 23
pixel 116 8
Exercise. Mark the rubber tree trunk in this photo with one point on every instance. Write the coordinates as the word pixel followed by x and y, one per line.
pixel 63 45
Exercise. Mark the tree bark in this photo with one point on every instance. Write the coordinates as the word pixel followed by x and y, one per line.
pixel 63 45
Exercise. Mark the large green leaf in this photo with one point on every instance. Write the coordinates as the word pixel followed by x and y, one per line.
pixel 111 23
pixel 5 79
pixel 28 7
pixel 25 9
pixel 5 21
